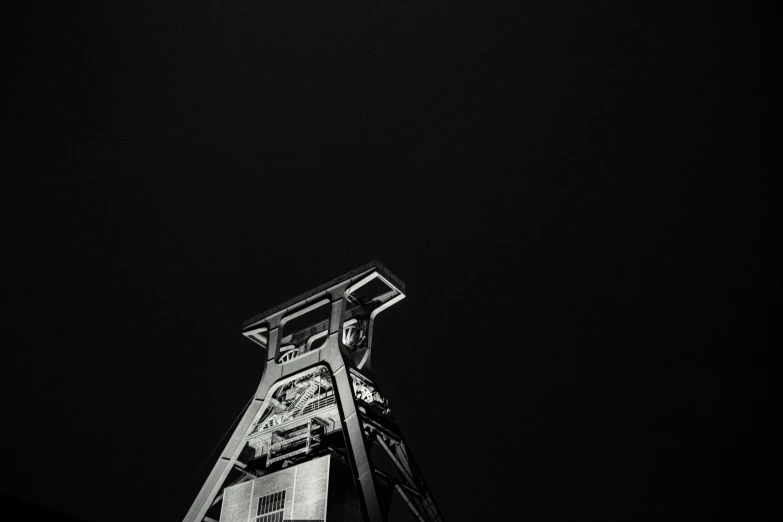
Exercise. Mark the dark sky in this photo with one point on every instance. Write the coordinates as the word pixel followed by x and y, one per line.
pixel 570 191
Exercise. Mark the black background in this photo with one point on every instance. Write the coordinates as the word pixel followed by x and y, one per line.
pixel 570 190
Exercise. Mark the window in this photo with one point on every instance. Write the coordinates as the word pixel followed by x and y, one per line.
pixel 270 508
pixel 304 331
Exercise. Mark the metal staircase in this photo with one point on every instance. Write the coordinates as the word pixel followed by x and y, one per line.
pixel 300 402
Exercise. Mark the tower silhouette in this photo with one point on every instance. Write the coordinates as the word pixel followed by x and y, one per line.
pixel 318 441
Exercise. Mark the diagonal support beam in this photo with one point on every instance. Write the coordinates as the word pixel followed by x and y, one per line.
pixel 399 450
pixel 393 482
pixel 396 461
pixel 407 500
pixel 244 477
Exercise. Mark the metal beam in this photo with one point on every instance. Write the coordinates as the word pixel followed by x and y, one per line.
pixel 393 482
pixel 396 461
pixel 410 504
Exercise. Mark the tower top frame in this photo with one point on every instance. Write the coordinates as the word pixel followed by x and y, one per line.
pixel 357 273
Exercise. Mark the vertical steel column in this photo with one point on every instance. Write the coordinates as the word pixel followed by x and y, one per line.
pixel 352 429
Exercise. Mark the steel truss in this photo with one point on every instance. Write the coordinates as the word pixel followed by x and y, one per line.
pixel 317 382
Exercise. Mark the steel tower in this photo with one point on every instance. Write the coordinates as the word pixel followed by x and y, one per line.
pixel 318 441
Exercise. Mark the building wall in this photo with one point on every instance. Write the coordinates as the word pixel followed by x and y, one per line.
pixel 305 485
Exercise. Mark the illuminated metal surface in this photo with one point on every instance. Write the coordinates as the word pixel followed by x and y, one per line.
pixel 317 398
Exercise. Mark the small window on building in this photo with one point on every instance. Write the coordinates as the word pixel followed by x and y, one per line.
pixel 270 508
